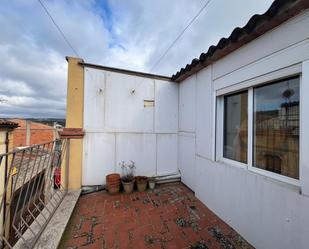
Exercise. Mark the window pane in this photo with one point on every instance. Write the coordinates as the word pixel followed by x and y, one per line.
pixel 236 127
pixel 276 128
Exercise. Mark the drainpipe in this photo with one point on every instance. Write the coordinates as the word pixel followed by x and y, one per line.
pixel 92 189
pixel 167 178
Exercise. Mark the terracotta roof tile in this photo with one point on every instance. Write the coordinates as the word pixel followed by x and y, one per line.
pixel 4 123
pixel 279 12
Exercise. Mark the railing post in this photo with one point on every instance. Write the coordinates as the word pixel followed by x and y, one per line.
pixel 2 209
pixel 67 164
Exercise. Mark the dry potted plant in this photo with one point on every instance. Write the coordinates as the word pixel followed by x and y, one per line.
pixel 127 178
pixel 141 182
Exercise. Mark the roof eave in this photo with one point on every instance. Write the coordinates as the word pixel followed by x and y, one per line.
pixel 279 12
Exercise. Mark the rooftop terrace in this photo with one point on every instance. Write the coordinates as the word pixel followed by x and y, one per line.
pixel 168 217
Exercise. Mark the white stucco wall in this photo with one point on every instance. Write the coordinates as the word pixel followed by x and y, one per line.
pixel 187 108
pixel 204 100
pixel 186 135
pixel 186 148
pixel 120 128
pixel 267 212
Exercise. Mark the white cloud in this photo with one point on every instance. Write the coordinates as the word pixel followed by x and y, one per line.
pixel 128 34
pixel 18 88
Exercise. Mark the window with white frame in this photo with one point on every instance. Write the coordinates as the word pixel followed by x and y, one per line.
pixel 261 127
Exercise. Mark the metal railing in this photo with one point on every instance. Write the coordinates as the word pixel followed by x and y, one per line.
pixel 31 189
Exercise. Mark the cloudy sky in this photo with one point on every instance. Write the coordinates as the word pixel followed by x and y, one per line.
pixel 130 34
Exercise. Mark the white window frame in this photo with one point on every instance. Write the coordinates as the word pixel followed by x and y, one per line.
pixel 249 85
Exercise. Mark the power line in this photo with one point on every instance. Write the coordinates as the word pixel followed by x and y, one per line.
pixel 180 35
pixel 160 58
pixel 59 29
pixel 176 39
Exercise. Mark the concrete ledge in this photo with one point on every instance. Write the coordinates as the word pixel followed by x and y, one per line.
pixel 52 234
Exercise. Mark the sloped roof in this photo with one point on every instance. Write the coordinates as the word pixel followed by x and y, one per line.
pixel 7 124
pixel 279 12
pixel 33 125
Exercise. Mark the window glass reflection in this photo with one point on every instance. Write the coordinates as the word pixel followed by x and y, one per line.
pixel 276 128
pixel 236 127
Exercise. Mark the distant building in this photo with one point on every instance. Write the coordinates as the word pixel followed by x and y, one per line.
pixel 29 133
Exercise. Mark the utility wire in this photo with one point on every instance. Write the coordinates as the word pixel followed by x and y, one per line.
pixel 160 58
pixel 59 29
pixel 180 35
pixel 61 32
pixel 176 39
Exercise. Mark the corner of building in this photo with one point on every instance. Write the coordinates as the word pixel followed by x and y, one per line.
pixel 74 119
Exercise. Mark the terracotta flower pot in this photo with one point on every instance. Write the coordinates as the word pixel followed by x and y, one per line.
pixel 113 183
pixel 141 183
pixel 113 189
pixel 128 186
pixel 112 177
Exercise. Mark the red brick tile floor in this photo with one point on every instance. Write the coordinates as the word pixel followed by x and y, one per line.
pixel 168 217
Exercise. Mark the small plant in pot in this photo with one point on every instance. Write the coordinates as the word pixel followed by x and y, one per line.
pixel 141 182
pixel 152 182
pixel 127 178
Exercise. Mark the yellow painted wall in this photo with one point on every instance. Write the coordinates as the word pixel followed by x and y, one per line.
pixel 75 94
pixel 74 119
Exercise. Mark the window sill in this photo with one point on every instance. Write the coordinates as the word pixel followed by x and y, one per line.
pixel 232 163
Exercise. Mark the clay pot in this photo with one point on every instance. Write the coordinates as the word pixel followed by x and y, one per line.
pixel 113 183
pixel 128 186
pixel 113 176
pixel 141 182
